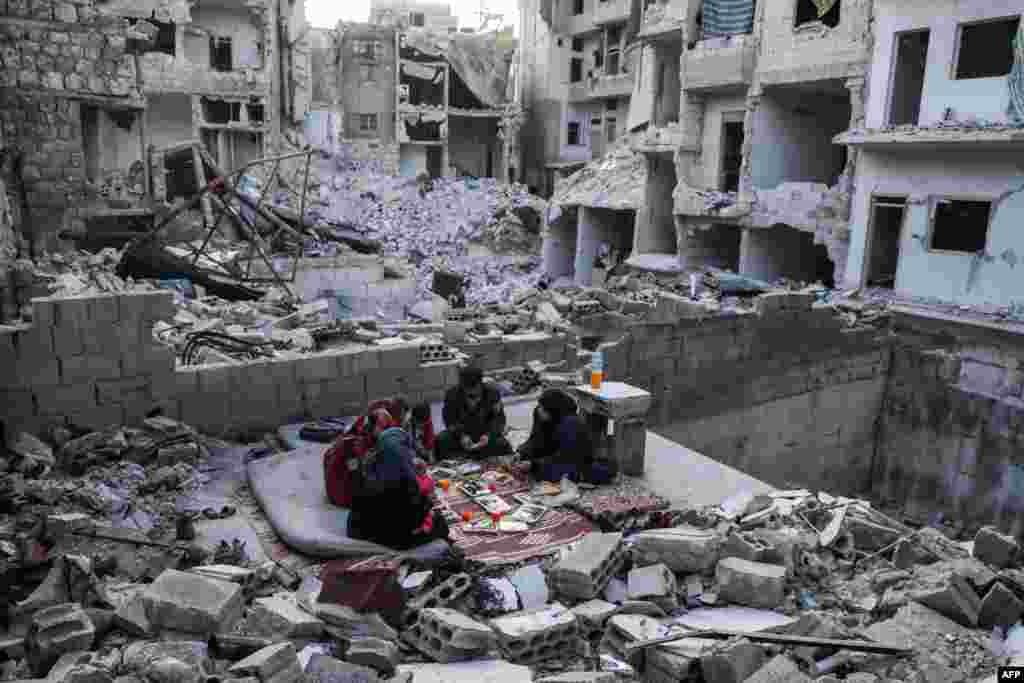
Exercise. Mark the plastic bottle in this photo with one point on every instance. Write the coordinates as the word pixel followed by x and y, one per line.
pixel 596 370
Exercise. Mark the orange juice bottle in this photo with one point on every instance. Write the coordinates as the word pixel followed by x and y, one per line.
pixel 596 370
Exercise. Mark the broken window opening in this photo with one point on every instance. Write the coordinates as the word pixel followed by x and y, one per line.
pixel 367 49
pixel 986 49
pixel 614 36
pixel 612 66
pixel 219 111
pixel 577 7
pixel 807 12
pixel 417 19
pixel 577 45
pixel 960 225
pixel 366 73
pixel 255 112
pixel 89 116
pixel 220 53
pixel 179 172
pixel 367 122
pixel 573 137
pixel 612 105
pixel 883 253
pixel 908 79
pixel 575 70
pixel 732 155
pixel 459 94
pixel 609 126
pixel 163 39
pixel 598 59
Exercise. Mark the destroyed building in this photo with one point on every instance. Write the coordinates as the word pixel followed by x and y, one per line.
pixel 937 196
pixel 578 68
pixel 94 92
pixel 432 16
pixel 429 102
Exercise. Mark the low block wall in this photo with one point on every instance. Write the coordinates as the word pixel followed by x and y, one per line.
pixel 93 361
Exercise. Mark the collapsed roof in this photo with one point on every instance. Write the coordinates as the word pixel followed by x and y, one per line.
pixel 474 58
pixel 615 181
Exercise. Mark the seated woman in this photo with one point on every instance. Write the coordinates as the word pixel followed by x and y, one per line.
pixel 560 444
pixel 388 505
pixel 420 426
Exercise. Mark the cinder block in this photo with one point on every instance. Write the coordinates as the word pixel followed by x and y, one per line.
pixel 215 379
pixel 97 417
pixel 136 307
pixel 73 311
pixel 44 311
pixel 385 383
pixel 17 403
pixel 400 356
pixel 367 360
pixel 104 308
pixel 186 380
pixel 207 412
pixel 55 631
pixel 282 370
pixel 67 341
pixel 78 369
pixel 35 343
pixel 63 400
pixel 148 360
pixel 317 368
pixel 123 391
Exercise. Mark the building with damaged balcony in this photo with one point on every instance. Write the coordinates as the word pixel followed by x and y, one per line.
pixel 938 201
pixel 94 91
pixel 436 103
pixel 741 104
pixel 404 14
pixel 578 77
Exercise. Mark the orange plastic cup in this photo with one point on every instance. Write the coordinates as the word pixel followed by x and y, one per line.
pixel 444 485
pixel 467 516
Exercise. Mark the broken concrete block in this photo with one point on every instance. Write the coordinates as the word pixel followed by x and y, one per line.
pixel 591 617
pixel 733 663
pixel 745 546
pixel 277 664
pixel 489 671
pixel 781 669
pixel 449 636
pixel 55 631
pixel 139 658
pixel 653 581
pixel 78 667
pixel 451 589
pixel 754 584
pixel 131 617
pixel 171 670
pixel 381 655
pixel 994 548
pixel 192 603
pixel 346 624
pixel 682 549
pixel 584 573
pixel 275 616
pixel 324 669
pixel 581 677
pixel 917 627
pixel 999 607
pixel 627 628
pixel 535 635
pixel 954 597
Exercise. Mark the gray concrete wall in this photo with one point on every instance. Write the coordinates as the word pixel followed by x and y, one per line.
pixel 373 96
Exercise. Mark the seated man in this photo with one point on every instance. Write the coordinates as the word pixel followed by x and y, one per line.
pixel 560 444
pixel 474 420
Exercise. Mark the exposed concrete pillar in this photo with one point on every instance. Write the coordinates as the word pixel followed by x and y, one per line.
pixel 587 243
pixel 691 117
pixel 746 172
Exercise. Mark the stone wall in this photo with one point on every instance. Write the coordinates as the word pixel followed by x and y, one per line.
pixel 789 395
pixel 93 361
pixel 952 426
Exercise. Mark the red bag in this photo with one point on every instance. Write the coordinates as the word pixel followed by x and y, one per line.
pixel 337 475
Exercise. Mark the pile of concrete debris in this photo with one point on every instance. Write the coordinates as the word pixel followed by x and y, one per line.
pixel 433 222
pixel 788 585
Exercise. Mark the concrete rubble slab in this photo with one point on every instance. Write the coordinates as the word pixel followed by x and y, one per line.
pixel 586 570
pixel 916 626
pixel 654 581
pixel 994 548
pixel 746 619
pixel 483 671
pixel 276 616
pixel 345 623
pixel 592 615
pixel 999 607
pixel 733 663
pixel 77 667
pixel 191 603
pixel 380 655
pixel 683 549
pixel 780 669
pixel 581 677
pixel 752 584
pixel 55 631
pixel 275 664
pixel 626 628
pixel 324 669
pixel 535 635
pixel 447 636
pixel 139 657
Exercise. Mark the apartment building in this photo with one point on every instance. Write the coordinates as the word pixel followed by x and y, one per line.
pixel 93 92
pixel 405 14
pixel 577 72
pixel 439 103
pixel 938 202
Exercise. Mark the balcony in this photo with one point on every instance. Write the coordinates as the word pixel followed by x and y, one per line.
pixel 576 24
pixel 165 74
pixel 720 63
pixel 602 87
pixel 611 11
pixel 655 140
pixel 661 22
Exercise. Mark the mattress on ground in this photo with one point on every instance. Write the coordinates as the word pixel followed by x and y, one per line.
pixel 290 488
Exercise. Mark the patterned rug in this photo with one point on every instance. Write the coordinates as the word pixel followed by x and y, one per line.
pixel 556 529
pixel 621 506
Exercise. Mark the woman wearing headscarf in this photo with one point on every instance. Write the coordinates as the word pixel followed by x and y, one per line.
pixel 560 444
pixel 389 506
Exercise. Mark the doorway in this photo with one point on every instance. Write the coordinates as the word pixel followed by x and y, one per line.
pixel 434 162
pixel 908 78
pixel 884 241
pixel 732 152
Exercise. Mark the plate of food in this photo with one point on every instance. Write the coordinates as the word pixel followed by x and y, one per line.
pixel 492 503
pixel 530 513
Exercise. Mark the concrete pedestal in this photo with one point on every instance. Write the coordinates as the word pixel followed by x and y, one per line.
pixel 617 416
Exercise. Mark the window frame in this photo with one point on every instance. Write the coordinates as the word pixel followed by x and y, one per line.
pixel 417 15
pixel 579 134
pixel 933 205
pixel 216 40
pixel 958 45
pixel 368 117
pixel 796 14
pixel 869 239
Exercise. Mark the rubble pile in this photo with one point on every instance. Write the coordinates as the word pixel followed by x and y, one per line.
pixel 431 223
pixel 106 579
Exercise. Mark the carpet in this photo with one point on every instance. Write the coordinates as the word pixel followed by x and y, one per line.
pixel 557 528
pixel 619 506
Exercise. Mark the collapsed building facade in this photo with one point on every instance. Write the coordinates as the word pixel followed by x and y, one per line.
pixel 95 92
pixel 435 102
